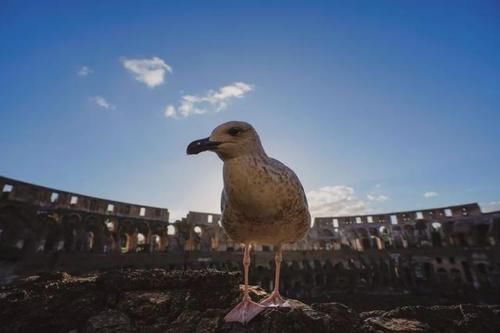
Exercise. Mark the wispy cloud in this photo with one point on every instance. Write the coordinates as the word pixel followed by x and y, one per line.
pixel 84 71
pixel 102 102
pixel 490 206
pixel 335 201
pixel 170 112
pixel 377 197
pixel 151 72
pixel 213 100
pixel 430 194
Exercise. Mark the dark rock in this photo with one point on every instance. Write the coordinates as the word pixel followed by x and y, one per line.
pixel 395 325
pixel 485 319
pixel 108 321
pixel 157 300
pixel 300 318
pixel 344 319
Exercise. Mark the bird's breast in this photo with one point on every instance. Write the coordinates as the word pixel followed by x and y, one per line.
pixel 258 191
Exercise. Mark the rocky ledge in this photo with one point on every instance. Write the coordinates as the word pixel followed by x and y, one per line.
pixel 196 301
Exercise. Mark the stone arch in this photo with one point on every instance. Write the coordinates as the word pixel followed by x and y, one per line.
pixel 339 274
pixel 456 276
pixel 124 242
pixel 159 237
pixel 111 241
pixel 377 241
pixel 12 226
pixel 142 236
pixel 125 236
pixel 436 234
pixel 397 236
pixel 482 274
pixel 95 232
pixel 481 234
pixel 494 233
pixel 442 275
pixel 364 239
pixel 73 231
pixel 155 244
pixel 408 235
pixel 461 232
pixel 54 235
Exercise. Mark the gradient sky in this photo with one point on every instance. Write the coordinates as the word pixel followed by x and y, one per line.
pixel 377 105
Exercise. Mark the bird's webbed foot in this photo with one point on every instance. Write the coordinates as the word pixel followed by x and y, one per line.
pixel 275 300
pixel 245 311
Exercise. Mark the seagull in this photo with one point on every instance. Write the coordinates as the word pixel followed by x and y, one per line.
pixel 262 202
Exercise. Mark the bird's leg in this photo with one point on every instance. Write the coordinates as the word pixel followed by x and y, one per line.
pixel 246 309
pixel 275 299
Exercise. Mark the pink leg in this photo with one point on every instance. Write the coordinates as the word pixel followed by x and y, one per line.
pixel 275 299
pixel 246 309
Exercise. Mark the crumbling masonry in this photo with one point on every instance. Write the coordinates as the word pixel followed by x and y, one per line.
pixel 448 248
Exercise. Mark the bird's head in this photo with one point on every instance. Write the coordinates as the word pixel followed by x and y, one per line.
pixel 229 140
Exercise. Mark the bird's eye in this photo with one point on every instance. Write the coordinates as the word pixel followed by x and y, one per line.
pixel 233 131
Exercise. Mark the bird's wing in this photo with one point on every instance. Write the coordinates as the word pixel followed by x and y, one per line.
pixel 291 177
pixel 223 202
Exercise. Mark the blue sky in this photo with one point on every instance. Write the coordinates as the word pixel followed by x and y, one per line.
pixel 377 106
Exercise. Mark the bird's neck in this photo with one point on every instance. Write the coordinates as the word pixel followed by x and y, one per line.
pixel 240 168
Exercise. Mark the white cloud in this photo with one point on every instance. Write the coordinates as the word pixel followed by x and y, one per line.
pixel 430 194
pixel 335 201
pixel 377 197
pixel 490 206
pixel 170 112
pixel 148 71
pixel 102 102
pixel 213 100
pixel 84 71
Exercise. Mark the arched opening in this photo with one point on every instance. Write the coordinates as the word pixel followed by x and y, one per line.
pixel 319 279
pixel 109 225
pixel 141 241
pixel 198 230
pixel 385 236
pixel 482 231
pixel 12 226
pixel 71 225
pixel 436 234
pixel 124 242
pixel 90 241
pixel 397 236
pixel 155 243
pixel 171 230
pixel 95 234
pixel 409 235
pixel 456 276
pixel 364 239
pixel 442 275
pixel 422 237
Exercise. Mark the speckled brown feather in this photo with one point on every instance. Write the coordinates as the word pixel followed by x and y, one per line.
pixel 263 201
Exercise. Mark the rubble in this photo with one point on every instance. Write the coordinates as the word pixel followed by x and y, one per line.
pixel 157 300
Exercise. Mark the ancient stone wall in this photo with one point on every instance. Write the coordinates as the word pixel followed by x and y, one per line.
pixel 451 248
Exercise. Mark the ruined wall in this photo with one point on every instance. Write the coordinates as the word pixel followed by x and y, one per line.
pixel 442 248
pixel 39 219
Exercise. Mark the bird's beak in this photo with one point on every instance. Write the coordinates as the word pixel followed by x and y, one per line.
pixel 198 146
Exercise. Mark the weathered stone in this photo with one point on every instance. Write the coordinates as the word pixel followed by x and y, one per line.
pixel 300 318
pixel 155 301
pixel 108 321
pixel 344 319
pixel 484 319
pixel 397 325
